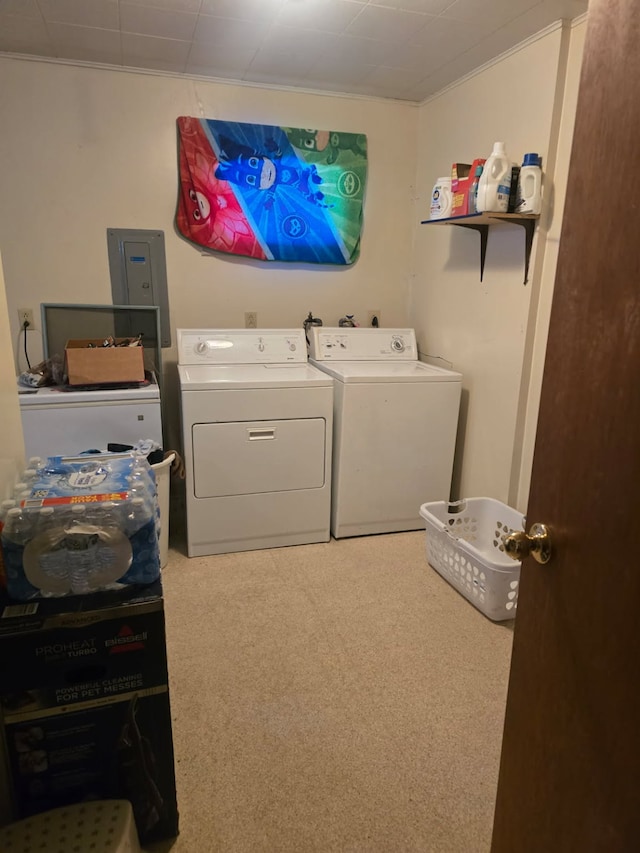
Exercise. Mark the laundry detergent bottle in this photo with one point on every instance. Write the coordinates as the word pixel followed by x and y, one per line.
pixel 441 199
pixel 494 185
pixel 529 198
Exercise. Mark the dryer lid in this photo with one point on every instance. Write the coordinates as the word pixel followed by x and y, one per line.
pixel 207 377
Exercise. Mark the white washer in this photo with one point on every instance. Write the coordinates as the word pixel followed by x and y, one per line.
pixel 257 434
pixel 395 423
pixel 64 423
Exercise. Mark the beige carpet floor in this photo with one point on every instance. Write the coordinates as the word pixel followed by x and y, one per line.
pixel 332 698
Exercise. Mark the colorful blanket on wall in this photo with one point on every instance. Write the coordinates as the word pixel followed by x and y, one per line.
pixel 272 193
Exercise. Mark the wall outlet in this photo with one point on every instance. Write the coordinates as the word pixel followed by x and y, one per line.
pixel 251 319
pixel 25 315
pixel 373 318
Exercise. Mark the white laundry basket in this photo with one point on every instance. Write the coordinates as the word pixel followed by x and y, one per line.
pixel 162 471
pixel 106 826
pixel 464 545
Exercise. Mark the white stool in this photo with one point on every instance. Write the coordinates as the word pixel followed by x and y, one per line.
pixel 103 826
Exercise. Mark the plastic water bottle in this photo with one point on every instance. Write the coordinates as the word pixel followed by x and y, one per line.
pixel 98 551
pixel 140 491
pixel 102 515
pixel 5 506
pixel 21 490
pixel 18 528
pixel 79 553
pixel 4 509
pixel 137 514
pixel 45 520
pixel 473 191
pixel 104 518
pixel 51 572
pixel 495 181
pixel 141 483
pixel 143 536
pixel 529 198
pixel 16 533
pixel 141 470
pixel 78 512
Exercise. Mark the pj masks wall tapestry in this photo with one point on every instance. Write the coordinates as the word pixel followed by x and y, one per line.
pixel 271 193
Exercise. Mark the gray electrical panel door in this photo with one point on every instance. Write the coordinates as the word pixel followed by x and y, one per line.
pixel 139 273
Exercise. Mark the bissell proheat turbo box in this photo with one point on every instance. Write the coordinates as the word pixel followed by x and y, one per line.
pixel 85 708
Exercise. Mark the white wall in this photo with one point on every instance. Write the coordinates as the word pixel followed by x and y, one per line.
pixel 84 149
pixel 551 223
pixel 11 460
pixel 12 449
pixel 484 328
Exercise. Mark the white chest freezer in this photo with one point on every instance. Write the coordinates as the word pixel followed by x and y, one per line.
pixel 56 422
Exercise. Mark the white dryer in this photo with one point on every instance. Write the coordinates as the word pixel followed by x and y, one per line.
pixel 257 437
pixel 395 424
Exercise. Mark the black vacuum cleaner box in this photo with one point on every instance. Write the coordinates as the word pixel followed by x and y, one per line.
pixel 85 706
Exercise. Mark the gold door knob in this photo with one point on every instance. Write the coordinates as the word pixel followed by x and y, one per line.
pixel 537 542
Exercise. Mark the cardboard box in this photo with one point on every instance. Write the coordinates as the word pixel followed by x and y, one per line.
pixel 462 175
pixel 100 365
pixel 85 705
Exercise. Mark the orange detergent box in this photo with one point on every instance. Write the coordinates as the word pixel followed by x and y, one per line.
pixel 462 175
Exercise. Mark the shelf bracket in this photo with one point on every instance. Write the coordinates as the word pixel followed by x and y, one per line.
pixel 483 230
pixel 481 222
pixel 529 226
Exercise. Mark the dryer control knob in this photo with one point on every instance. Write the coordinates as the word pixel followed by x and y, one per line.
pixel 397 344
pixel 202 347
pixel 292 346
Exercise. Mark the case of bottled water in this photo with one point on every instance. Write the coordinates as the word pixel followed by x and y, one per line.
pixel 78 525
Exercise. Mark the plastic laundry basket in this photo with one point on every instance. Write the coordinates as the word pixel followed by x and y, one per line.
pixel 162 471
pixel 103 826
pixel 464 545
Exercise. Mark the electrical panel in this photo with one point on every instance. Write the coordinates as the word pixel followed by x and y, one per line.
pixel 139 273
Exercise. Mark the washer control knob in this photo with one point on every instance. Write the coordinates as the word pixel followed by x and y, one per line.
pixel 202 347
pixel 397 344
pixel 292 346
pixel 260 345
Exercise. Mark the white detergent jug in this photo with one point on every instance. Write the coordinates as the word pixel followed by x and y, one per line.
pixel 441 199
pixel 494 185
pixel 529 198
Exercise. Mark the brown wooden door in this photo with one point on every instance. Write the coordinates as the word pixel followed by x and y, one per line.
pixel 570 767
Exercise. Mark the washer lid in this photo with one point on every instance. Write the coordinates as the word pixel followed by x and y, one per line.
pixel 383 371
pixel 207 377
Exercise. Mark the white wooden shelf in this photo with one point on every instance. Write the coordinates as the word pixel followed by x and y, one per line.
pixel 481 222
